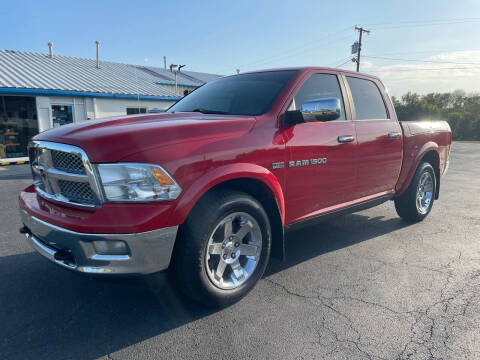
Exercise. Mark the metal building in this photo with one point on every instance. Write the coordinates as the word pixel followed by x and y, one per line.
pixel 41 91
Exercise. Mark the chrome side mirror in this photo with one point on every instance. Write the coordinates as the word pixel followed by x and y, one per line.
pixel 325 109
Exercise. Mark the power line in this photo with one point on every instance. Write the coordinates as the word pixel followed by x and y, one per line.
pixel 455 20
pixel 432 69
pixel 377 26
pixel 423 52
pixel 423 25
pixel 425 61
pixel 333 64
pixel 312 48
pixel 349 60
pixel 297 49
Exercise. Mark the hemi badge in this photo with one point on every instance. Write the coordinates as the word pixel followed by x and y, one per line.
pixel 278 165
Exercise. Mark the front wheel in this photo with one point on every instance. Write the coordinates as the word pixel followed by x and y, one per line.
pixel 417 201
pixel 223 248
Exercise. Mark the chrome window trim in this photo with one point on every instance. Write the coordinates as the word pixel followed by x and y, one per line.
pixel 53 191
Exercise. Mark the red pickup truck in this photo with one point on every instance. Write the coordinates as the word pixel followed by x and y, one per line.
pixel 209 188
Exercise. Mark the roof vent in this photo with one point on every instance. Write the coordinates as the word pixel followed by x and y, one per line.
pixel 50 50
pixel 97 43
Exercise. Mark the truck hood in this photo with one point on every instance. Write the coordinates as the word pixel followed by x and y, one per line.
pixel 111 139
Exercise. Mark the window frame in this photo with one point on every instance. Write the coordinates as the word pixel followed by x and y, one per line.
pixel 352 103
pixel 137 108
pixel 346 97
pixel 52 104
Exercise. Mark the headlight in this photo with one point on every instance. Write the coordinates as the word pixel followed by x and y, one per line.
pixel 137 182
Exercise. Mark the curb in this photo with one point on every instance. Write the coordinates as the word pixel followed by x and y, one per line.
pixel 15 162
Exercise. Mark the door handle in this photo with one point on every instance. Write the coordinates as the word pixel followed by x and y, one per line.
pixel 394 135
pixel 345 138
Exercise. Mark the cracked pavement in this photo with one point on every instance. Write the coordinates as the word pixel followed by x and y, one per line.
pixel 362 286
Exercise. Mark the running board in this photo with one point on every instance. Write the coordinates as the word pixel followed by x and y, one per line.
pixel 347 210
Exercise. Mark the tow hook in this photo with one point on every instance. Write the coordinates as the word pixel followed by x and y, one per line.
pixel 24 230
pixel 65 256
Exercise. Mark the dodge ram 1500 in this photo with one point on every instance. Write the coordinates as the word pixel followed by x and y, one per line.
pixel 209 188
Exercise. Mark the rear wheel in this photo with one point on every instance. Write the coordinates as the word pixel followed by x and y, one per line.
pixel 223 248
pixel 417 201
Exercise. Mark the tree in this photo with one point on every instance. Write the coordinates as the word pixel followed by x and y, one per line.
pixel 460 110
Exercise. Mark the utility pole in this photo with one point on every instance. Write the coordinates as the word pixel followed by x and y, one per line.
pixel 360 30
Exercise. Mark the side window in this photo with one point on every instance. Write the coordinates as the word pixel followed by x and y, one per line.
pixel 318 87
pixel 367 99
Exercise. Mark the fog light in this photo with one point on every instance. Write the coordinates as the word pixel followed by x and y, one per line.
pixel 111 247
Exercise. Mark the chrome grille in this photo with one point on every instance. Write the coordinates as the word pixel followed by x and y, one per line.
pixel 68 162
pixel 77 192
pixel 63 173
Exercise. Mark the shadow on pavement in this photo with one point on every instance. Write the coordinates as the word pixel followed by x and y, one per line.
pixel 50 312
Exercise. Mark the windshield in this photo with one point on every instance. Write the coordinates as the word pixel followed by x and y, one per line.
pixel 244 94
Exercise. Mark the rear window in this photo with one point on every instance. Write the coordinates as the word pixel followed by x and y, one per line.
pixel 244 94
pixel 367 99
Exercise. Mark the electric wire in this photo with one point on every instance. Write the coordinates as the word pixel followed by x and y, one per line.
pixel 419 60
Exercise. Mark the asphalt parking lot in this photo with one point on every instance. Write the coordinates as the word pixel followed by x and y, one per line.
pixel 363 286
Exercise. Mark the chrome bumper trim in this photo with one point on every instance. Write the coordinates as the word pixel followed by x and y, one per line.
pixel 46 251
pixel 446 168
pixel 149 251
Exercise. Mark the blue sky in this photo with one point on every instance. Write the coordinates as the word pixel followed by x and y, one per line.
pixel 221 36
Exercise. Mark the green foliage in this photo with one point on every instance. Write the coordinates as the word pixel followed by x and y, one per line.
pixel 460 110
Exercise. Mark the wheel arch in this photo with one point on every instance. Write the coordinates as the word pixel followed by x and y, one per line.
pixel 252 179
pixel 428 153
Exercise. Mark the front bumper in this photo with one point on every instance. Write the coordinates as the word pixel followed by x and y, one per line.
pixel 148 252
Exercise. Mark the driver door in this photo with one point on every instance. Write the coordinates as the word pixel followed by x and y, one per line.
pixel 321 154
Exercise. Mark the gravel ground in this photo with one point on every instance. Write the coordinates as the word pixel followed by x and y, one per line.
pixel 362 286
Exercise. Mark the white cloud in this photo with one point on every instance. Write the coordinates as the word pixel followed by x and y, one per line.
pixel 367 64
pixel 462 73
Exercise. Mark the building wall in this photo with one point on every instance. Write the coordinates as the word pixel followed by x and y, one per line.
pixel 179 90
pixel 113 107
pixel 90 108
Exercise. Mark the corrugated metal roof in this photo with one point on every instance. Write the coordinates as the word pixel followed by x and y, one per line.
pixel 20 69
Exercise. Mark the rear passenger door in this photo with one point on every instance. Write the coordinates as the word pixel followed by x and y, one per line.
pixel 379 139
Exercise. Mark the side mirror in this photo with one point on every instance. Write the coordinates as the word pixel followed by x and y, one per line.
pixel 291 118
pixel 326 109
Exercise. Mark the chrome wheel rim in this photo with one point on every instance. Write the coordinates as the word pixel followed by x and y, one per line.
pixel 233 250
pixel 424 192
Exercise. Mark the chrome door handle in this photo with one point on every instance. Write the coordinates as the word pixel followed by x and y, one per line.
pixel 345 138
pixel 394 135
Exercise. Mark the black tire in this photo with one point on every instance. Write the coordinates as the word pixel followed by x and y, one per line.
pixel 406 204
pixel 189 271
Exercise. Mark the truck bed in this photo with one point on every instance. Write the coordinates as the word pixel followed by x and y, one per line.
pixel 419 135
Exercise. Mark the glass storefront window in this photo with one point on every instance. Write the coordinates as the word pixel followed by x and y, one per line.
pixel 18 124
pixel 62 115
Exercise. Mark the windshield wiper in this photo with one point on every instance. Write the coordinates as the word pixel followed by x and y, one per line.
pixel 206 111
